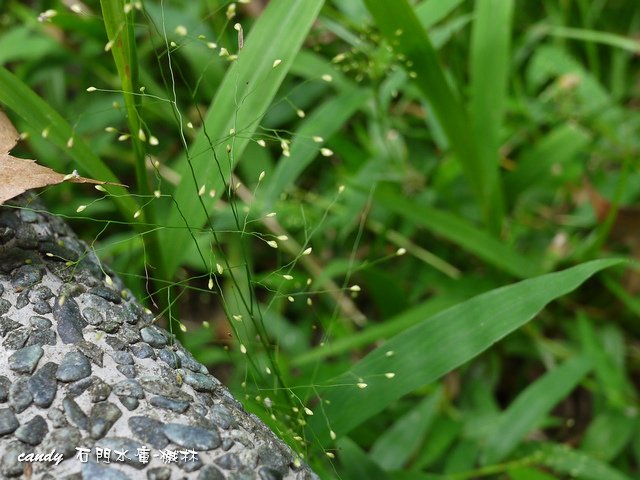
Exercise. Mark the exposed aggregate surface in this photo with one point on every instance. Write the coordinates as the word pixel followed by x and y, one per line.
pixel 82 366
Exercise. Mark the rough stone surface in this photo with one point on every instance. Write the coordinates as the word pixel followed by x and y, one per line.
pixel 83 367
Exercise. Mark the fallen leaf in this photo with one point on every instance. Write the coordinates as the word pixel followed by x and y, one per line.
pixel 17 175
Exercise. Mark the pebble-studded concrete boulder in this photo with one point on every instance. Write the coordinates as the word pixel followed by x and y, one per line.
pixel 90 388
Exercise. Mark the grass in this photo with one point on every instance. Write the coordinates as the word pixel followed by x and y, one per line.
pixel 372 221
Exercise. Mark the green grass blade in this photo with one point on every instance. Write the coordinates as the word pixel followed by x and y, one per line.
pixel 557 147
pixel 532 405
pixel 609 433
pixel 356 464
pixel 325 121
pixel 490 62
pixel 119 27
pixel 243 97
pixel 563 459
pixel 462 233
pixel 17 96
pixel 604 38
pixel 434 347
pixel 401 441
pixel 399 24
pixel 432 11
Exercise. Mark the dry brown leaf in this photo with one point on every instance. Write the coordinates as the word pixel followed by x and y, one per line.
pixel 17 175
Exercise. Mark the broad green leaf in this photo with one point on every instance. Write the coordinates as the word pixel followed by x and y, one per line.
pixel 461 233
pixel 242 99
pixel 530 407
pixel 490 62
pixel 17 96
pixel 399 24
pixel 430 349
pixel 402 440
pixel 372 333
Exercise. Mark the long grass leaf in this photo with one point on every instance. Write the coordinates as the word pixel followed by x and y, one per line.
pixel 532 405
pixel 242 99
pixel 462 233
pixel 17 96
pixel 490 61
pixel 436 346
pixel 400 25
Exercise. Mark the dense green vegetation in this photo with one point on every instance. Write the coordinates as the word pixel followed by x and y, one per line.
pixel 341 206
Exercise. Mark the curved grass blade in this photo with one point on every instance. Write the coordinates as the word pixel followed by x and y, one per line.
pixel 462 233
pixel 400 25
pixel 242 99
pixel 532 405
pixel 16 95
pixel 436 346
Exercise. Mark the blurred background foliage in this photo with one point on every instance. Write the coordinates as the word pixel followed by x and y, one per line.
pixel 427 152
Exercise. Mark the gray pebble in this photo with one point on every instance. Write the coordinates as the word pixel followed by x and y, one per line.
pixel 93 316
pixel 16 339
pixel 75 414
pixel 27 275
pixel 128 371
pixel 157 386
pixel 8 421
pixel 5 306
pixel 149 431
pixel 43 385
pixel 103 416
pixel 199 381
pixel 22 300
pixel 5 384
pixel 41 292
pixel 74 366
pixel 64 440
pixel 128 388
pixel 6 325
pixel 230 461
pixel 169 357
pixel 93 470
pixel 106 293
pixel 130 403
pixel 159 473
pixel 10 466
pixel 33 432
pixel 75 389
pixel 41 307
pixel 222 416
pixel 57 418
pixel 70 323
pixel 267 473
pixel 121 357
pixel 99 390
pixel 26 359
pixel 178 406
pixel 192 437
pixel 19 395
pixel 153 337
pixel 92 351
pixel 209 472
pixel 143 350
